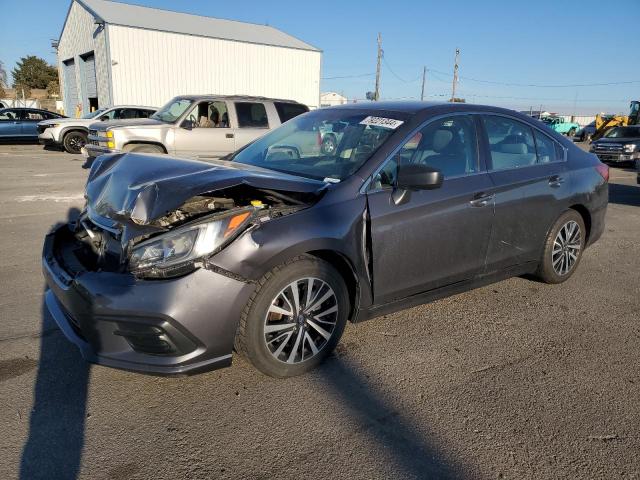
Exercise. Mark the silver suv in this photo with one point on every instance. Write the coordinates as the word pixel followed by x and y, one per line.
pixel 203 126
pixel 71 133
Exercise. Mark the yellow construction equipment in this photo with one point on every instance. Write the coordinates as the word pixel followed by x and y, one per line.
pixel 604 123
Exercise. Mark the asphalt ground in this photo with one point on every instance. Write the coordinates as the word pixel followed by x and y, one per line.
pixel 516 380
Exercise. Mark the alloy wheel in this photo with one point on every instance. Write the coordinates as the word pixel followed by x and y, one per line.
pixel 301 319
pixel 566 248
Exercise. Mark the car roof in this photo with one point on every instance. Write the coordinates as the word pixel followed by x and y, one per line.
pixel 235 97
pixel 417 107
pixel 131 106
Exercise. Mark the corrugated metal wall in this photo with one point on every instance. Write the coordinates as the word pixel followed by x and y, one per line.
pixel 150 67
pixel 78 39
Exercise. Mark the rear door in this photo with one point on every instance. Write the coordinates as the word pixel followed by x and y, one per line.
pixel 438 237
pixel 30 119
pixel 252 122
pixel 10 122
pixel 206 132
pixel 527 168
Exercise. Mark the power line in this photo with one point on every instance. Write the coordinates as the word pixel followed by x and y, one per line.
pixel 386 64
pixel 506 84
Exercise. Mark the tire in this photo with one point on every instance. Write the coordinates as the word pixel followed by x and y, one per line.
pixel 329 145
pixel 561 258
pixel 571 132
pixel 281 352
pixel 74 141
pixel 144 148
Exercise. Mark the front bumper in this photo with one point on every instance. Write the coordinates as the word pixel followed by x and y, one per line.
pixel 176 326
pixel 617 157
pixel 46 138
pixel 91 150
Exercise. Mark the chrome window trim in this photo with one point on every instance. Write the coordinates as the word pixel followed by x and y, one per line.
pixel 365 185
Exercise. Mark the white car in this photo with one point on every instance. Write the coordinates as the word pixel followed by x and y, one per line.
pixel 71 133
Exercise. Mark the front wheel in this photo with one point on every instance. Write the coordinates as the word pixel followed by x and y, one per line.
pixel 74 141
pixel 563 248
pixel 295 318
pixel 571 132
pixel 144 148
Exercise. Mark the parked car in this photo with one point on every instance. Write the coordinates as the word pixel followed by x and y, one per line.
pixel 585 133
pixel 560 125
pixel 23 122
pixel 618 145
pixel 71 133
pixel 201 126
pixel 173 261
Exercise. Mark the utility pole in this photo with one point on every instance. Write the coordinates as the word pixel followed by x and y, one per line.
pixel 455 76
pixel 424 76
pixel 377 92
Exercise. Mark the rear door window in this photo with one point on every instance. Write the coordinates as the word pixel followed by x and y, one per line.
pixel 287 111
pixel 548 150
pixel 251 115
pixel 511 143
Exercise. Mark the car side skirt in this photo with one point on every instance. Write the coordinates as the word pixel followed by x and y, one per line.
pixel 442 292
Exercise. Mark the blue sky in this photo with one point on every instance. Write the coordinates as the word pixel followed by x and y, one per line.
pixel 542 42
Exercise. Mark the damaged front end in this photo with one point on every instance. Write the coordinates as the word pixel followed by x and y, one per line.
pixel 170 225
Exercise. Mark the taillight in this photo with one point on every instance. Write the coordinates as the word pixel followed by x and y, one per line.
pixel 603 170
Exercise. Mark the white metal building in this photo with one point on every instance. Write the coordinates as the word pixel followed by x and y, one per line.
pixel 329 99
pixel 113 53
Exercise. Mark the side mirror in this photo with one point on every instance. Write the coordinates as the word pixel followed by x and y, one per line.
pixel 104 118
pixel 419 177
pixel 187 124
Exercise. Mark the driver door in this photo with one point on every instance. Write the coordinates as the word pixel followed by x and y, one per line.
pixel 206 132
pixel 435 237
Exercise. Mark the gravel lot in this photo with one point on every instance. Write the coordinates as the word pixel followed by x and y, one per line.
pixel 515 380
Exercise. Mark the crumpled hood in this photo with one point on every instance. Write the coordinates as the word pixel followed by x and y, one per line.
pixel 133 190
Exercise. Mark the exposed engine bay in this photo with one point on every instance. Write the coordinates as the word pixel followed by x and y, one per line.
pixel 94 248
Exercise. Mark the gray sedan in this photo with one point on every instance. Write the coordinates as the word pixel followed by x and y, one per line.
pixel 174 262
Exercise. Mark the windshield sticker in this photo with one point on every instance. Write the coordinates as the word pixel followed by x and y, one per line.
pixel 382 122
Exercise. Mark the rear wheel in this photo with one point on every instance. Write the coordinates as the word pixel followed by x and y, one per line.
pixel 295 318
pixel 563 248
pixel 74 141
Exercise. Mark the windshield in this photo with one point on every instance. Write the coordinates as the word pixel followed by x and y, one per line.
pixel 327 145
pixel 93 114
pixel 172 110
pixel 623 132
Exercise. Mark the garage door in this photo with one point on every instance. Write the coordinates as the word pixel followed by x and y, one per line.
pixel 70 88
pixel 90 76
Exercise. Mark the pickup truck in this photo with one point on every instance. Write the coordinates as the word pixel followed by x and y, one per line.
pixel 561 125
pixel 197 126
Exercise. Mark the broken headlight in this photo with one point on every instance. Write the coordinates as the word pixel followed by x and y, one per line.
pixel 174 253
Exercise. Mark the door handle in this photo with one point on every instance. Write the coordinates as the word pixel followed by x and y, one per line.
pixel 555 181
pixel 229 135
pixel 481 199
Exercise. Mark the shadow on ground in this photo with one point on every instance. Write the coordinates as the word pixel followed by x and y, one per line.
pixel 53 449
pixel 392 430
pixel 624 194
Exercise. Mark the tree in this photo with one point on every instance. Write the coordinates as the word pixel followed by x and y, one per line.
pixel 33 72
pixel 53 89
pixel 20 88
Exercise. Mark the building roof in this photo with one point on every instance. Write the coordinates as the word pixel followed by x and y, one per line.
pixel 117 13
